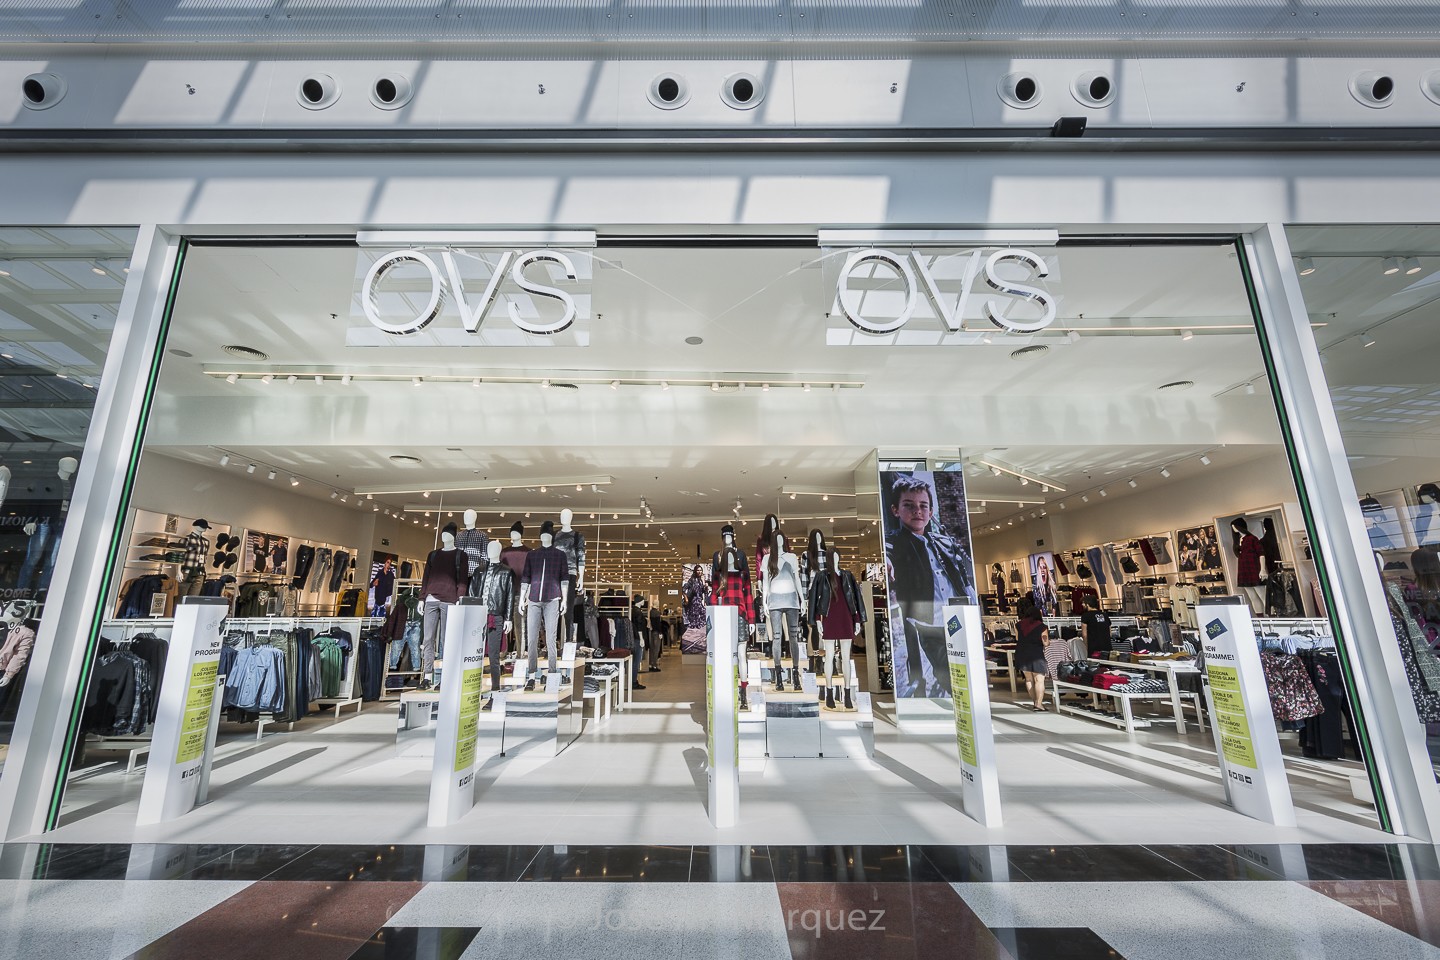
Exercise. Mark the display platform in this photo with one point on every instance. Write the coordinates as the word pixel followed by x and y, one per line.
pixel 540 723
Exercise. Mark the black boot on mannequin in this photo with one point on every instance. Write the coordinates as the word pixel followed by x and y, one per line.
pixel 829 697
pixel 849 704
pixel 744 703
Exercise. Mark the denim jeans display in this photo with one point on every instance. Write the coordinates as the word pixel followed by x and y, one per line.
pixel 40 556
pixel 410 639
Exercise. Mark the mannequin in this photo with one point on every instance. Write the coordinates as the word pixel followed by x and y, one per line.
pixel 495 584
pixel 1249 560
pixel 784 603
pixel 730 587
pixel 571 542
pixel 815 578
pixel 447 574
pixel 4 483
pixel 192 569
pixel 768 529
pixel 513 556
pixel 544 591
pixel 474 543
pixel 997 584
pixel 44 535
pixel 840 626
pixel 18 641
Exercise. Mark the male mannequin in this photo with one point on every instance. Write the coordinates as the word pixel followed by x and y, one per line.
pixel 473 542
pixel 447 575
pixel 571 543
pixel 544 590
pixel 839 627
pixel 784 603
pixel 495 584
pixel 15 649
pixel 192 568
pixel 513 556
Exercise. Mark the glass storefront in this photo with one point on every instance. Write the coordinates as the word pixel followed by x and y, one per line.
pixel 59 290
pixel 1088 423
pixel 1372 295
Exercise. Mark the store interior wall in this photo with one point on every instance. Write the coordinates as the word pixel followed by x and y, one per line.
pixel 1165 507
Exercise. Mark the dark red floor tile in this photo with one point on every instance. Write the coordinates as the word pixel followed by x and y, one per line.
pixel 1409 905
pixel 893 921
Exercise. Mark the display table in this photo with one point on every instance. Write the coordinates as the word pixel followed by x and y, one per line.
pixel 1173 670
pixel 848 733
pixel 792 724
pixel 1009 666
pixel 415 727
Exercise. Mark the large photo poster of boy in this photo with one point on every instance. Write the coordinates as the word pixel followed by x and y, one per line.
pixel 928 562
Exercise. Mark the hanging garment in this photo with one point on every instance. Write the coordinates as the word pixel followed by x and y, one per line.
pixel 1282 595
pixel 1097 566
pixel 1292 695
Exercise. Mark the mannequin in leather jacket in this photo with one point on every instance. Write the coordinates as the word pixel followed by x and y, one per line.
pixel 495 584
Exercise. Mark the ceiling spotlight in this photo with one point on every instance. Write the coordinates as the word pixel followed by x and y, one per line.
pixel 232 378
pixel 1024 481
pixel 1187 334
pixel 664 385
pixel 294 481
pixel 1306 266
pixel 376 508
pixel 1392 266
pixel 1062 504
pixel 1369 340
pixel 1103 493
pixel 250 468
pixel 835 387
pixel 415 381
pixel 1412 266
pixel 344 498
pixel 545 383
pixel 543 489
pixel 334 494
pixel 714 386
pixel 98 270
pixel 1084 498
pixel 291 379
pixel 987 337
pixel 270 475
pixel 1205 460
pixel 1073 336
pixel 792 496
pixel 1165 472
pixel 225 460
pixel 346 378
pixel 825 496
pixel 614 516
pixel 268 378
pixel 1133 484
pixel 995 470
pixel 1250 389
pixel 425 493
pixel 764 388
pixel 319 379
pixel 527 514
pixel 579 486
pixel 805 387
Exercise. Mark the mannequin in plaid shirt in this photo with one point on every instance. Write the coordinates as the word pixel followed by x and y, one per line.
pixel 730 587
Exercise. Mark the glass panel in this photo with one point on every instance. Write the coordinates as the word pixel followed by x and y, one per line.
pixel 1373 294
pixel 59 289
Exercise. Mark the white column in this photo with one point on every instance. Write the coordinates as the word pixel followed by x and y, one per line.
pixel 722 739
pixel 1400 764
pixel 49 712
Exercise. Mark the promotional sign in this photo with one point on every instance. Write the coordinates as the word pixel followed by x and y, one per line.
pixel 722 739
pixel 180 743
pixel 974 735
pixel 452 777
pixel 927 549
pixel 1248 746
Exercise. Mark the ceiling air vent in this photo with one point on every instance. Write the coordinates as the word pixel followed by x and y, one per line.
pixel 669 91
pixel 1032 352
pixel 1020 90
pixel 564 386
pixel 318 91
pixel 742 91
pixel 1177 385
pixel 1373 89
pixel 1093 89
pixel 245 353
pixel 42 91
pixel 405 460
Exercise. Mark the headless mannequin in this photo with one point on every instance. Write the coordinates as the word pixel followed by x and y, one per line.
pixel 784 603
pixel 816 578
pixel 1254 592
pixel 731 569
pixel 497 587
pixel 572 542
pixel 533 615
pixel 837 648
pixel 446 559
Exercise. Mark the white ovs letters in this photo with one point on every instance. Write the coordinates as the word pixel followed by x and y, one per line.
pixel 472 315
pixel 952 316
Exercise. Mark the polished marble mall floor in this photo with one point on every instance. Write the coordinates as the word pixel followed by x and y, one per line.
pixel 898 902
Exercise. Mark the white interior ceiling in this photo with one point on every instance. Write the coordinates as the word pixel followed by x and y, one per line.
pixel 1081 415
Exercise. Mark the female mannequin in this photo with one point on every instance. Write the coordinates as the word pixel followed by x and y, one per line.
pixel 447 577
pixel 816 580
pixel 839 626
pixel 1249 555
pixel 998 585
pixel 784 601
pixel 730 587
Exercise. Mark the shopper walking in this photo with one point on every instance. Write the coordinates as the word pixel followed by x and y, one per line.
pixel 1030 650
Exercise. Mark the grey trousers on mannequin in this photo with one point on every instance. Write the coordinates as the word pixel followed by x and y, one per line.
pixel 434 627
pixel 780 622
pixel 548 615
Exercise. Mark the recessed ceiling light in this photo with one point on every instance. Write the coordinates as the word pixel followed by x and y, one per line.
pixel 404 459
pixel 694 341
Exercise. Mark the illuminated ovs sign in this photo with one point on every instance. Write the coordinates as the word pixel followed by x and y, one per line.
pixel 449 283
pixel 952 315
